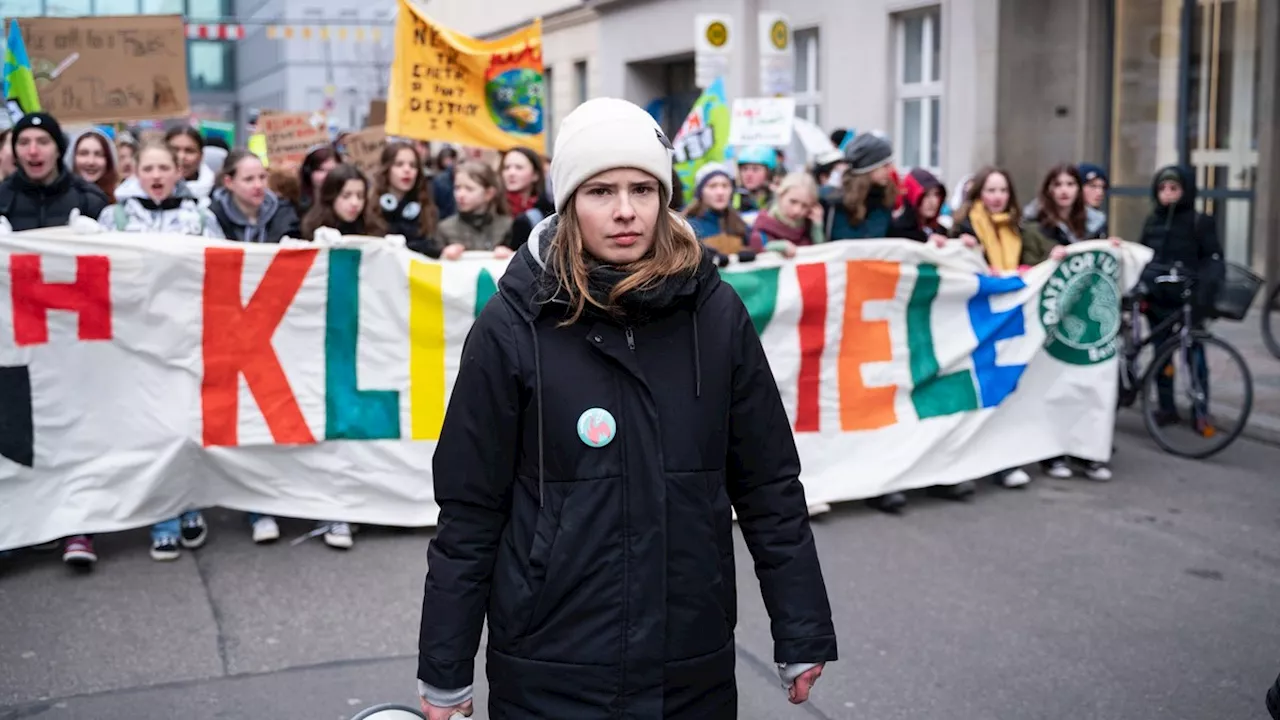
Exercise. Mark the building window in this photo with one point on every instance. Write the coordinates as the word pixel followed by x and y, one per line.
pixel 807 93
pixel 162 7
pixel 580 82
pixel 115 7
pixel 21 8
pixel 209 65
pixel 919 89
pixel 68 8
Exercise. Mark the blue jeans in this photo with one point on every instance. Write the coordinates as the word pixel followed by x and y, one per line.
pixel 171 528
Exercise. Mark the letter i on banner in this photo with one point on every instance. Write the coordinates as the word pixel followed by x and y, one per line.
pixel 426 350
pixel 812 278
pixel 863 342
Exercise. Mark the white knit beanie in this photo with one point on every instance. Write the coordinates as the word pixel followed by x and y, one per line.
pixel 606 134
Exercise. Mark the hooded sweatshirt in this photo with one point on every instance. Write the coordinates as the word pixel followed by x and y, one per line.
pixel 200 188
pixel 908 223
pixel 1179 234
pixel 276 219
pixel 179 213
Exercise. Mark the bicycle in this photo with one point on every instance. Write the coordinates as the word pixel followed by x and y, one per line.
pixel 1181 356
pixel 1269 333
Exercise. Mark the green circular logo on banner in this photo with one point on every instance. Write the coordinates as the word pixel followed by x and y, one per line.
pixel 1080 309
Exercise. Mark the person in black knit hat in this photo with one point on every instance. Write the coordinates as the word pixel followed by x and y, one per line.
pixel 41 192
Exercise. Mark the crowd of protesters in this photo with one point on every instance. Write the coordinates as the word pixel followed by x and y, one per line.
pixel 446 204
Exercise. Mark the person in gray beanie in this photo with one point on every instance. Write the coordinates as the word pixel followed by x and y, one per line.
pixel 862 207
pixel 613 407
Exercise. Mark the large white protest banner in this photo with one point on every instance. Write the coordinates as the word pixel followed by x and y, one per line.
pixel 141 375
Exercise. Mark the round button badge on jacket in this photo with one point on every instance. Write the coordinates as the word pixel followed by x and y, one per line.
pixel 596 427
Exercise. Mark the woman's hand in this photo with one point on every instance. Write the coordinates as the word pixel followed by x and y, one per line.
pixel 816 216
pixel 969 240
pixel 1058 252
pixel 1115 241
pixel 453 252
pixel 800 689
pixel 465 710
pixel 502 252
pixel 939 241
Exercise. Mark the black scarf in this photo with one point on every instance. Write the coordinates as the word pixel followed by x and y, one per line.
pixel 636 306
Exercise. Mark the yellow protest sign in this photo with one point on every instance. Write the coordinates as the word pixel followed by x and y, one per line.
pixel 448 87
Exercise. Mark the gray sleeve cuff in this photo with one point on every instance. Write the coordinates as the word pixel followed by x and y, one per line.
pixel 444 698
pixel 790 671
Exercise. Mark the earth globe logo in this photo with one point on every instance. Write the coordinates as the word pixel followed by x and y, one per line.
pixel 513 91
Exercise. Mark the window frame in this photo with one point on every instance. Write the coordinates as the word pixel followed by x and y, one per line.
pixel 808 99
pixel 928 88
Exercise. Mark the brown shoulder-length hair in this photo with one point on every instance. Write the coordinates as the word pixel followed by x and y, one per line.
pixel 322 215
pixel 486 177
pixel 854 190
pixel 420 193
pixel 1075 219
pixel 974 196
pixel 110 179
pixel 539 186
pixel 675 251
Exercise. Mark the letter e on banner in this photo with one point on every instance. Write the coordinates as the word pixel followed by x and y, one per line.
pixel 237 340
pixel 862 342
pixel 89 297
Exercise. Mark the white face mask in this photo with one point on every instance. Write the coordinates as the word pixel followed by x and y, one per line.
pixel 837 176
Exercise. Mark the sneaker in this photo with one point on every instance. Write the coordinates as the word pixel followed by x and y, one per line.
pixel 194 531
pixel 1014 478
pixel 892 504
pixel 1097 472
pixel 819 508
pixel 165 549
pixel 78 552
pixel 265 530
pixel 1058 468
pixel 338 536
pixel 959 492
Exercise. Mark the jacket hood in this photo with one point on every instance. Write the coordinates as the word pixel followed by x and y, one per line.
pixel 523 282
pixel 1185 176
pixel 920 181
pixel 69 159
pixel 225 203
pixel 132 188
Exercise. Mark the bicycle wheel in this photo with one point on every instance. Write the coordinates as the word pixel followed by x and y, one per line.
pixel 1195 404
pixel 1271 321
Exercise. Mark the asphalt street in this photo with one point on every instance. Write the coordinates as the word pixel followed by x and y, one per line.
pixel 1154 596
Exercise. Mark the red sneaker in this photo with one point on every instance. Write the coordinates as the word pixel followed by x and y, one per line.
pixel 78 552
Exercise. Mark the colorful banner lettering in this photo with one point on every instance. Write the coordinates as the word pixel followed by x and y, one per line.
pixel 448 87
pixel 311 380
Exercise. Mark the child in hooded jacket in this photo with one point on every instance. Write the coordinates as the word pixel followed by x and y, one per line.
pixel 246 209
pixel 921 216
pixel 715 222
pixel 158 201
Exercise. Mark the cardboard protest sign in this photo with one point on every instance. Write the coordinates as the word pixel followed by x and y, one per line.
pixel 289 136
pixel 377 113
pixel 448 87
pixel 364 149
pixel 108 69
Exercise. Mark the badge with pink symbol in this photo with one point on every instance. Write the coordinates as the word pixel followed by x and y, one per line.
pixel 597 427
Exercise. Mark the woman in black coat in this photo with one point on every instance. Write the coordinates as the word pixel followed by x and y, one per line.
pixel 603 424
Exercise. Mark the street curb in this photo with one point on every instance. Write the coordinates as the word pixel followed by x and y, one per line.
pixel 1264 429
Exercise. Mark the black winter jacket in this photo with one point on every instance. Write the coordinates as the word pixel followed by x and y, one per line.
pixel 29 205
pixel 524 223
pixel 607 574
pixel 1179 234
pixel 411 228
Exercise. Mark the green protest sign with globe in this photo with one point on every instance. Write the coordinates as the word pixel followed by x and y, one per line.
pixel 1080 309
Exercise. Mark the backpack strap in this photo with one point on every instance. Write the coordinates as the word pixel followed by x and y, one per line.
pixel 119 218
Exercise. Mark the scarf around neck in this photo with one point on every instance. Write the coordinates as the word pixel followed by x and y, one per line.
pixel 999 237
pixel 521 202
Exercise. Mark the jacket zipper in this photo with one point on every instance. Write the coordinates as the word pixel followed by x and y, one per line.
pixel 631 339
